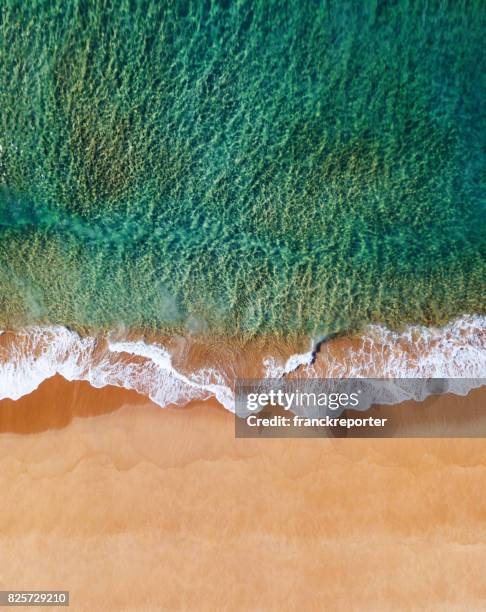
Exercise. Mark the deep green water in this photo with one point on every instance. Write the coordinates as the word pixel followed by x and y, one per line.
pixel 242 167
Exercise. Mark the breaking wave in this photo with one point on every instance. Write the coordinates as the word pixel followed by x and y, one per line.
pixel 30 356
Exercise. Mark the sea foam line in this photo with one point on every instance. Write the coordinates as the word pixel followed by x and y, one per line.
pixel 456 351
pixel 40 353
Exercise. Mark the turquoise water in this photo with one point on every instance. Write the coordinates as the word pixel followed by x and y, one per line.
pixel 241 167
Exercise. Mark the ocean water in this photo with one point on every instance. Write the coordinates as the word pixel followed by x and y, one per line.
pixel 241 168
pixel 180 181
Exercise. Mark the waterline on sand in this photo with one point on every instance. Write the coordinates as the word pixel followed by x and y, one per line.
pixel 31 355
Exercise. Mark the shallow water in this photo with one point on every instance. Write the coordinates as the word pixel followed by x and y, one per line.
pixel 241 167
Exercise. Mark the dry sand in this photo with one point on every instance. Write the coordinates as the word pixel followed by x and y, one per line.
pixel 139 508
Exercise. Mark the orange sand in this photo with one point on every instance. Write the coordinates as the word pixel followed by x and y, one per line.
pixel 147 509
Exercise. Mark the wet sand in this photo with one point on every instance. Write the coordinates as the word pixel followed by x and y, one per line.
pixel 131 507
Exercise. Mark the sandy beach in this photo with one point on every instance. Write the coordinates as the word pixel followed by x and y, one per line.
pixel 132 507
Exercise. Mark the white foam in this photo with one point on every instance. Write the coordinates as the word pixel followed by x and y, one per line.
pixel 274 370
pixel 203 383
pixel 40 353
pixel 456 351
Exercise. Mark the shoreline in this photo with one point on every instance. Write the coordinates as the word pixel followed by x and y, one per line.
pixel 177 370
pixel 57 402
